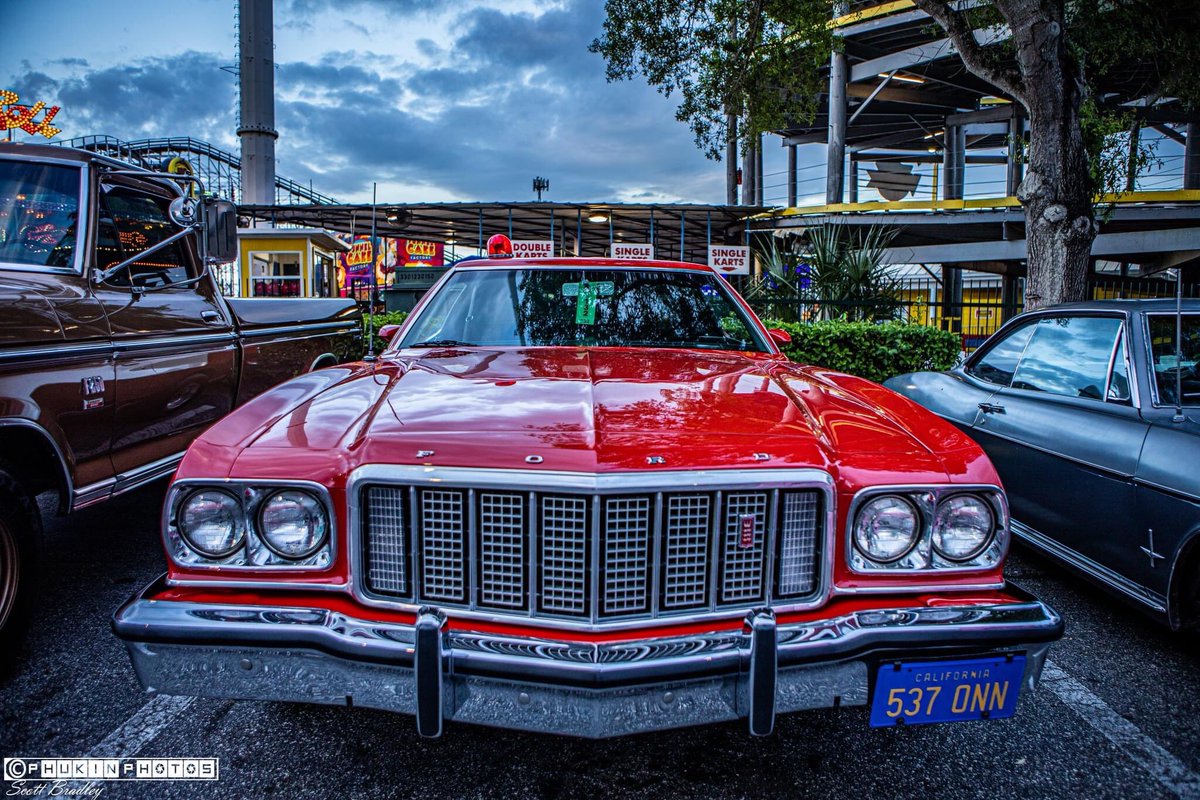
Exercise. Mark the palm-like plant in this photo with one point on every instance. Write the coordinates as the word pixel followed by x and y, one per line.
pixel 846 274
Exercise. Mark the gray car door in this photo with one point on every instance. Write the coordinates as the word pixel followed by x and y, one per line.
pixel 1066 437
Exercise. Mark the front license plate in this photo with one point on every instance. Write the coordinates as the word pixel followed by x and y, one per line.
pixel 946 691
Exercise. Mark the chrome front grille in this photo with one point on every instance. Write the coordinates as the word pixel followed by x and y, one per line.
pixel 591 556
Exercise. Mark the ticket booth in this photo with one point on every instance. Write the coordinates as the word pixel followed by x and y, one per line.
pixel 289 262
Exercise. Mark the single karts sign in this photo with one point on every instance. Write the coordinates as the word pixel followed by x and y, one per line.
pixel 732 259
pixel 635 251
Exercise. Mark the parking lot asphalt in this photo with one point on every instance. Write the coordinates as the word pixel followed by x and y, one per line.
pixel 1119 718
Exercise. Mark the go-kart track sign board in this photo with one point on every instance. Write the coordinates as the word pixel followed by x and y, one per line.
pixel 631 250
pixel 533 248
pixel 731 259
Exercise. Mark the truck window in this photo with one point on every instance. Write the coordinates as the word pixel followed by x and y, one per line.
pixel 39 214
pixel 133 221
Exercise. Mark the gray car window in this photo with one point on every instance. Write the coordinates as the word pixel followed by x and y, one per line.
pixel 1069 356
pixel 1000 361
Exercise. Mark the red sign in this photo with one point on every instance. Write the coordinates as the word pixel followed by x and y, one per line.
pixel 419 253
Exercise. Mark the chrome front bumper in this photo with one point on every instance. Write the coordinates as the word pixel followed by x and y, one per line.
pixel 557 686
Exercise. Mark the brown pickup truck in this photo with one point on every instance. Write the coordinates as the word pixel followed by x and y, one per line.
pixel 116 347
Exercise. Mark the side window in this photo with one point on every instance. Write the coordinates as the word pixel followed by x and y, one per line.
pixel 133 221
pixel 39 214
pixel 1171 374
pixel 275 275
pixel 1069 356
pixel 1000 361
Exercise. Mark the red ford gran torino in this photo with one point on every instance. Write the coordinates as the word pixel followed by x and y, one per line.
pixel 589 497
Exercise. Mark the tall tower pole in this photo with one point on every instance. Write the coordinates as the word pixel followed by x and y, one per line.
pixel 256 50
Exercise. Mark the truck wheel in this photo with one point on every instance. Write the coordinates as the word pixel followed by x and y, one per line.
pixel 20 531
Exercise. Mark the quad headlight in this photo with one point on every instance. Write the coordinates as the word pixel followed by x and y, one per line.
pixel 243 524
pixel 886 528
pixel 212 523
pixel 928 528
pixel 963 527
pixel 293 523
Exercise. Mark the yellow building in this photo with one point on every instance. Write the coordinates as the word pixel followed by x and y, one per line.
pixel 288 262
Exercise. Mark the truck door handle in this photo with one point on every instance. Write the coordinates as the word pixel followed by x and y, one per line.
pixel 991 408
pixel 210 316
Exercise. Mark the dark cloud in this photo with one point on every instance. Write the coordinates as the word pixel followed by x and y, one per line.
pixel 510 96
pixel 306 9
pixel 69 62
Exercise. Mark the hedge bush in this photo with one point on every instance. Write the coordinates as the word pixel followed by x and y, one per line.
pixel 873 351
pixel 387 318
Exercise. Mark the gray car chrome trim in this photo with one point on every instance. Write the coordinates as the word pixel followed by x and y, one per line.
pixel 1091 568
pixel 649 481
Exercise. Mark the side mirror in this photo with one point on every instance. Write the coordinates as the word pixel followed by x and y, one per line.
pixel 388 332
pixel 779 336
pixel 220 230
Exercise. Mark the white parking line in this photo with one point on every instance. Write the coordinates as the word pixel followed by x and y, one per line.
pixel 1162 766
pixel 141 728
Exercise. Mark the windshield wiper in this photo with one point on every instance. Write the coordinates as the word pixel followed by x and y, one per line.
pixel 441 343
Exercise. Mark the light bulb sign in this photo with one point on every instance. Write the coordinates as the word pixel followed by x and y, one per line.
pixel 635 251
pixel 15 116
pixel 731 259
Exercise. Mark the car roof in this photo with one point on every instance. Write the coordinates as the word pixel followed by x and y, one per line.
pixel 1140 305
pixel 607 263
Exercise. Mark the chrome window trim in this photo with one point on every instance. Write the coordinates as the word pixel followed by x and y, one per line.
pixel 83 229
pixel 235 486
pixel 1003 534
pixel 648 482
pixel 1155 400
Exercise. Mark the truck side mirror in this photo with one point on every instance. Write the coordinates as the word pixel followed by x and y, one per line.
pixel 220 230
pixel 779 336
pixel 388 332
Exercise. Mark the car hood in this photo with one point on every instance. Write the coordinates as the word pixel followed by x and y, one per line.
pixel 580 409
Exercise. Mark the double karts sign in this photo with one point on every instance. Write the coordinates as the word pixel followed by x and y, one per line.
pixel 533 248
pixel 731 259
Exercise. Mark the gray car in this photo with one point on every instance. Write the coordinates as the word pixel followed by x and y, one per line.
pixel 1094 425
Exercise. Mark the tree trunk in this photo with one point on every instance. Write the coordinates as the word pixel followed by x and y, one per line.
pixel 1057 192
pixel 1060 223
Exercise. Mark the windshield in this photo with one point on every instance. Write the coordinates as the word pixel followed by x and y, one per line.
pixel 39 213
pixel 589 308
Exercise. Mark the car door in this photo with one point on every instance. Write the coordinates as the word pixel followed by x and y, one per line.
pixel 1065 436
pixel 174 343
pixel 56 364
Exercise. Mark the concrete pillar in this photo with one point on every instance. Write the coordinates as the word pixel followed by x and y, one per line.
pixel 1191 157
pixel 954 163
pixel 1009 296
pixel 835 155
pixel 256 47
pixel 748 190
pixel 791 175
pixel 758 170
pixel 852 182
pixel 731 159
pixel 952 299
pixel 1016 144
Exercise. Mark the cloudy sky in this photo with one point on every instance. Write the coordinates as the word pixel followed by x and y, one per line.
pixel 451 100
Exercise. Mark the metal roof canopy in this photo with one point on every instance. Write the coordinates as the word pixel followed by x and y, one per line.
pixel 679 231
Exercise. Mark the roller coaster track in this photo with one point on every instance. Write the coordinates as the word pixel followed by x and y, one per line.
pixel 141 151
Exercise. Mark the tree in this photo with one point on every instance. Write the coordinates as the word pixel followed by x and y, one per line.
pixel 761 58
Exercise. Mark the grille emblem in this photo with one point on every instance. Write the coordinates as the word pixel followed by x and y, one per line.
pixel 424 453
pixel 746 541
pixel 534 459
pixel 655 460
